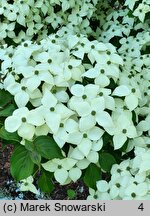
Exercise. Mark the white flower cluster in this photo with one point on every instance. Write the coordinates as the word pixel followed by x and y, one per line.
pixel 130 180
pixel 29 19
pixel 45 75
pixel 122 22
pixel 141 9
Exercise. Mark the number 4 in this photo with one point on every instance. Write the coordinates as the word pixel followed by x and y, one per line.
pixel 141 207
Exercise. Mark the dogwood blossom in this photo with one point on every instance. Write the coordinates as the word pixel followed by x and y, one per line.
pixel 27 185
pixel 141 10
pixel 121 131
pixel 63 169
pixel 24 121
pixel 53 112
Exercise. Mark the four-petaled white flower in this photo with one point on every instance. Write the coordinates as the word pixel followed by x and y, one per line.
pixel 27 185
pixel 53 111
pixel 122 130
pixel 24 121
pixel 63 169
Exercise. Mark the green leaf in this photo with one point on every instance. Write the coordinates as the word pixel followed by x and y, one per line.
pixel 124 147
pixel 35 157
pixel 121 1
pixel 2 119
pixel 106 161
pixel 9 136
pixel 7 111
pixel 5 97
pixel 92 175
pixel 47 147
pixel 106 139
pixel 21 164
pixel 29 145
pixel 112 84
pixel 71 193
pixel 134 117
pixel 45 183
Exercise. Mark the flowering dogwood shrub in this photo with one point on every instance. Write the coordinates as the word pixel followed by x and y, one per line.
pixel 75 94
pixel 29 19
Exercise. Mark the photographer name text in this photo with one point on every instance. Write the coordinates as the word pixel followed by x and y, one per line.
pixel 27 207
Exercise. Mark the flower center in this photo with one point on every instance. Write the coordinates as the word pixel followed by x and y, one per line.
pixel 93 113
pixel 84 135
pixel 84 96
pixel 49 61
pixel 102 71
pixel 133 90
pixel 133 195
pixel 118 185
pixel 13 73
pixel 101 94
pixel 109 62
pixel 10 55
pixel 26 184
pixel 119 170
pixel 25 45
pixel 54 91
pixel 128 168
pixel 23 88
pixel 125 108
pixel 36 72
pixel 52 109
pixel 61 125
pixel 95 196
pixel 53 41
pixel 23 119
pixel 108 52
pixel 70 67
pixel 124 131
